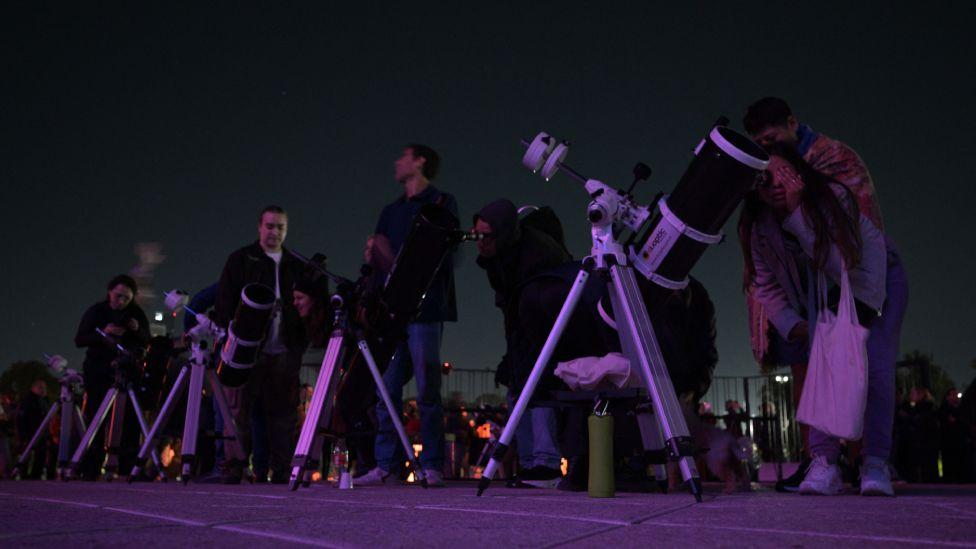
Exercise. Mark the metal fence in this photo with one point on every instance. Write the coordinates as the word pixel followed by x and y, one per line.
pixel 473 386
pixel 766 412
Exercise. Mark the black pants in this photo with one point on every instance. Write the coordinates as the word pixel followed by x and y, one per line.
pixel 274 380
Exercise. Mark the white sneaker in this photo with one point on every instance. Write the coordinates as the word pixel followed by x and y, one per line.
pixel 822 479
pixel 875 478
pixel 375 477
pixel 434 478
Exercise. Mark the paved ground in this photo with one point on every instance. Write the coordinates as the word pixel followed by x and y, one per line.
pixel 151 515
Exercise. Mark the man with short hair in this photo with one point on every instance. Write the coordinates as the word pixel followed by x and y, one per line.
pixel 414 169
pixel 768 121
pixel 273 382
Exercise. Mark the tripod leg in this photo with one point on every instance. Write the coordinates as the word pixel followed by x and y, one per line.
pixel 537 370
pixel 164 413
pixel 319 409
pixel 191 427
pixel 395 414
pixel 640 346
pixel 145 430
pixel 89 435
pixel 81 419
pixel 314 459
pixel 114 435
pixel 41 430
pixel 233 446
pixel 653 443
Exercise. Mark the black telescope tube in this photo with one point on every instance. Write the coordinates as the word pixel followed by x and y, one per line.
pixel 245 334
pixel 723 171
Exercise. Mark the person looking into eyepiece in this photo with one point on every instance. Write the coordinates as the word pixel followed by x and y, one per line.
pixel 799 222
pixel 770 121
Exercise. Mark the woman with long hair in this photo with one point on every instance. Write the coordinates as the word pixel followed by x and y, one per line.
pixel 799 222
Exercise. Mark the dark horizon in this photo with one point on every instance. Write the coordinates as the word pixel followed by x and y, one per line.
pixel 161 125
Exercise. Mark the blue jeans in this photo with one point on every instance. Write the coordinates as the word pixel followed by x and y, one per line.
pixel 882 350
pixel 422 352
pixel 535 437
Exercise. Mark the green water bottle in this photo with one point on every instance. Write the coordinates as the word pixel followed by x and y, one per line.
pixel 601 456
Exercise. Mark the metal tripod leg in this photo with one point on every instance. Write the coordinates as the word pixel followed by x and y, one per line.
pixel 22 460
pixel 320 408
pixel 145 431
pixel 164 414
pixel 114 435
pixel 395 414
pixel 89 436
pixel 191 427
pixel 575 292
pixel 233 447
pixel 653 444
pixel 640 346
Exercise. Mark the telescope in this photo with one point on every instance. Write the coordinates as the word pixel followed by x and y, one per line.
pixel 661 242
pixel 245 334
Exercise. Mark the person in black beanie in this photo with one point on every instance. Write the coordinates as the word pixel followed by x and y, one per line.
pixel 511 254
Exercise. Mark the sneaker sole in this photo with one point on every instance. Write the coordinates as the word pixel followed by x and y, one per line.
pixel 813 492
pixel 877 492
pixel 552 483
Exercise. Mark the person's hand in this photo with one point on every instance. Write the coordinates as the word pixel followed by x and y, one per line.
pixel 114 329
pixel 793 185
pixel 132 325
pixel 800 331
pixel 379 253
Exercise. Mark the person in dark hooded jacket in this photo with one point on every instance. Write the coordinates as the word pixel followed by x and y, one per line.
pixel 511 254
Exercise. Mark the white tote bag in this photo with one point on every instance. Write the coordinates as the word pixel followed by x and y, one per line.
pixel 836 387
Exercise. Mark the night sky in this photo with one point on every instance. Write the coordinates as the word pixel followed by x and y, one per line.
pixel 176 126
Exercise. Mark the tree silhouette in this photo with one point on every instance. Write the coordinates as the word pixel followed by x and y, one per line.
pixel 918 369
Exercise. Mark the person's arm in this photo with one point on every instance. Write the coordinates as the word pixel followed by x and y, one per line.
pixel 141 334
pixel 201 302
pixel 86 335
pixel 767 290
pixel 228 292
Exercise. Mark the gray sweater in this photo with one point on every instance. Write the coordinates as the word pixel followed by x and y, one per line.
pixel 777 283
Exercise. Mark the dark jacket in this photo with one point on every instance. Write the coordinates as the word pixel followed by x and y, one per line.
pixel 522 253
pixel 100 353
pixel 248 265
pixel 396 219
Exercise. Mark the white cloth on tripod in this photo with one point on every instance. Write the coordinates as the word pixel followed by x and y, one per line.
pixel 598 372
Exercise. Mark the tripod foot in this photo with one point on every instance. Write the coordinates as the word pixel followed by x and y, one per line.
pixel 135 473
pixel 483 485
pixel 15 473
pixel 694 484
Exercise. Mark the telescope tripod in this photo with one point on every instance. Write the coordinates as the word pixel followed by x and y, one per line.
pixel 72 422
pixel 320 409
pixel 639 345
pixel 191 379
pixel 117 398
